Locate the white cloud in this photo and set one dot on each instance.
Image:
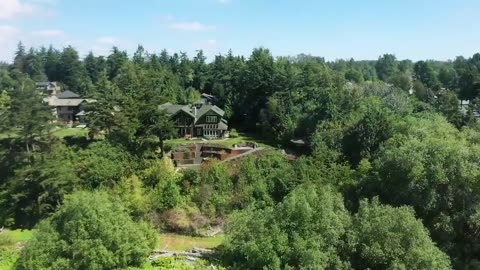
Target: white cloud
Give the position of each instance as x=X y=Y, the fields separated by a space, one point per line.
x=9 y=36
x=48 y=33
x=7 y=30
x=107 y=40
x=167 y=18
x=9 y=9
x=45 y=2
x=191 y=26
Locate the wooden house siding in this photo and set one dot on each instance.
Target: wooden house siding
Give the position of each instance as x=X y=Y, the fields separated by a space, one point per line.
x=203 y=119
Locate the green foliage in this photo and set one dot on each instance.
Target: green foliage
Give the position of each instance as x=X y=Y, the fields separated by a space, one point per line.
x=402 y=81
x=447 y=104
x=38 y=188
x=166 y=195
x=8 y=257
x=385 y=237
x=181 y=264
x=102 y=164
x=132 y=195
x=6 y=239
x=304 y=231
x=386 y=66
x=158 y=171
x=365 y=137
x=424 y=73
x=233 y=133
x=5 y=102
x=88 y=232
x=431 y=166
x=215 y=188
x=71 y=71
x=29 y=114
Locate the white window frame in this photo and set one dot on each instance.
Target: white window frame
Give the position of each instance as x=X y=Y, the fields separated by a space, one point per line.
x=211 y=118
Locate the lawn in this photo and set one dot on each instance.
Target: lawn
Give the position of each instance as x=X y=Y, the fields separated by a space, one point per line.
x=176 y=242
x=64 y=132
x=59 y=132
x=170 y=241
x=228 y=142
x=11 y=238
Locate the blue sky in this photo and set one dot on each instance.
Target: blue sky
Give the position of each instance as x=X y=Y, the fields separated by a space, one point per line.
x=420 y=29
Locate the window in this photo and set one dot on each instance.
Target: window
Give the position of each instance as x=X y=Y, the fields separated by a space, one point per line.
x=69 y=109
x=211 y=119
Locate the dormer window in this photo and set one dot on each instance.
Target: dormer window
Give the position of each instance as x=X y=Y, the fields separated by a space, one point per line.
x=211 y=118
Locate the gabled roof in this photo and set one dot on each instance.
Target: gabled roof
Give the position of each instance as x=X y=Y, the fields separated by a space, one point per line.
x=173 y=109
x=56 y=102
x=67 y=94
x=43 y=84
x=206 y=108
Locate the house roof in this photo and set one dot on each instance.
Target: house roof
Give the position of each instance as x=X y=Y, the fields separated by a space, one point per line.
x=173 y=109
x=67 y=94
x=206 y=108
x=43 y=84
x=222 y=126
x=56 y=102
x=298 y=142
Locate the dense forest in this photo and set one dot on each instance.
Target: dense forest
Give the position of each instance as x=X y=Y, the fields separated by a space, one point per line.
x=389 y=177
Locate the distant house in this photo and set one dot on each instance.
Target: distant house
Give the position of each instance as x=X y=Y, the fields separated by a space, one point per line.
x=50 y=88
x=66 y=106
x=464 y=104
x=199 y=120
x=207 y=99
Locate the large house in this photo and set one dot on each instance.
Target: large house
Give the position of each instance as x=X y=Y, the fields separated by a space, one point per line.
x=198 y=120
x=66 y=106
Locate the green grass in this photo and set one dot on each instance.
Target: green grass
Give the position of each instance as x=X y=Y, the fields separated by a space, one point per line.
x=9 y=241
x=22 y=235
x=64 y=132
x=60 y=133
x=11 y=238
x=175 y=242
x=229 y=142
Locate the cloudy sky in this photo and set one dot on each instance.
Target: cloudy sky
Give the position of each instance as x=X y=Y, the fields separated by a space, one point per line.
x=416 y=29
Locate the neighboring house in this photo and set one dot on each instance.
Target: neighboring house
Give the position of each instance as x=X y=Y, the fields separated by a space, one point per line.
x=50 y=88
x=464 y=104
x=207 y=99
x=66 y=106
x=199 y=120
